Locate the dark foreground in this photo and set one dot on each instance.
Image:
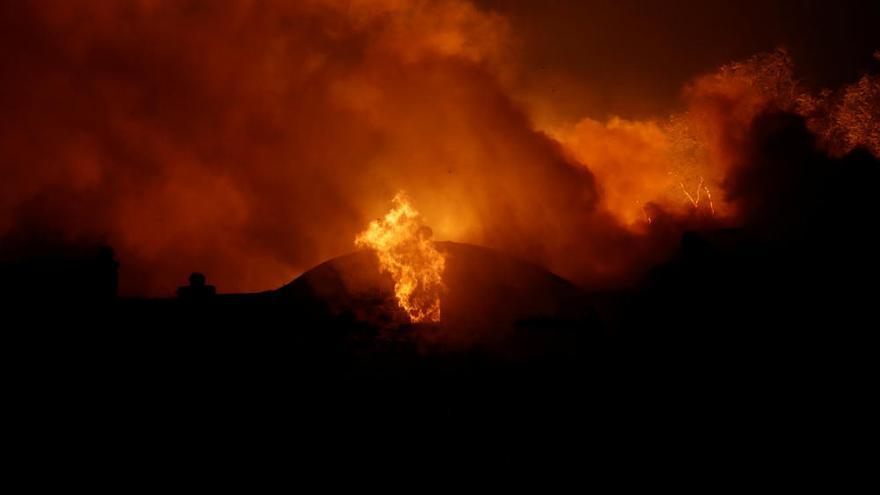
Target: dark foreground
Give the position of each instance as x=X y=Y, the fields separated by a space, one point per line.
x=740 y=350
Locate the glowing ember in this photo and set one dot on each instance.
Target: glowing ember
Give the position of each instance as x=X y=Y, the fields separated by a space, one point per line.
x=405 y=250
x=695 y=198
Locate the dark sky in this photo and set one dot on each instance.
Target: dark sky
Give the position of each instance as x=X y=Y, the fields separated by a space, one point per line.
x=635 y=56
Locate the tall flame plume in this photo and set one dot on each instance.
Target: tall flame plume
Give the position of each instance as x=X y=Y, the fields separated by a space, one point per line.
x=404 y=247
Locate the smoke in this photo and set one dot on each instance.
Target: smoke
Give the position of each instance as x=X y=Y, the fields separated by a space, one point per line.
x=244 y=139
x=252 y=140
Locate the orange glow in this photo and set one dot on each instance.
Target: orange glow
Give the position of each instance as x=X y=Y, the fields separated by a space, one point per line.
x=405 y=250
x=654 y=161
x=632 y=160
x=694 y=199
x=254 y=140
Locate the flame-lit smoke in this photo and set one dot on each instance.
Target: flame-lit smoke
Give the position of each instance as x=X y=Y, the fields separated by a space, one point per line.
x=404 y=246
x=701 y=192
x=656 y=160
x=252 y=140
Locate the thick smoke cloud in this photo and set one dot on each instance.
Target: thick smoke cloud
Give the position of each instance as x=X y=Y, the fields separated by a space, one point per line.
x=251 y=140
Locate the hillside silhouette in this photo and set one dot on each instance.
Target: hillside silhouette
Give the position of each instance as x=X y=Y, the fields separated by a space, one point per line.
x=744 y=332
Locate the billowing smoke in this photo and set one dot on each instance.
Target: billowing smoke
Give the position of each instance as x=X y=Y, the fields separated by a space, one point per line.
x=251 y=140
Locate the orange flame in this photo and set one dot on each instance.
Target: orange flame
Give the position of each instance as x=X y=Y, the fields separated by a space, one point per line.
x=405 y=250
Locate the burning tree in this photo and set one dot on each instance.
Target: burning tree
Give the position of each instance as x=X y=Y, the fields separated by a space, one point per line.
x=405 y=249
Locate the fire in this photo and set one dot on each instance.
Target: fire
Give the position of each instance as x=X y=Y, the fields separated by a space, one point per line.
x=404 y=247
x=694 y=199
